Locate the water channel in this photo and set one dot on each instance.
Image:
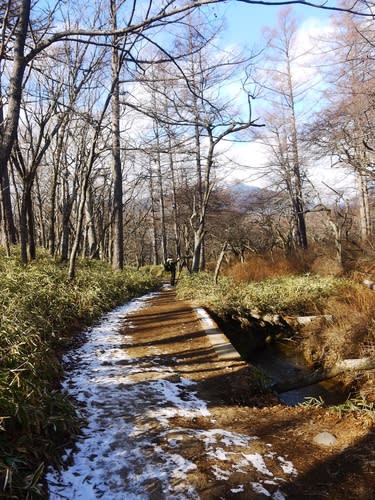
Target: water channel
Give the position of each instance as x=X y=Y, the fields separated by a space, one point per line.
x=280 y=362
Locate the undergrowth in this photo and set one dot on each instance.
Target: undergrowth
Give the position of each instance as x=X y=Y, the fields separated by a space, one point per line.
x=300 y=295
x=353 y=404
x=40 y=309
x=260 y=268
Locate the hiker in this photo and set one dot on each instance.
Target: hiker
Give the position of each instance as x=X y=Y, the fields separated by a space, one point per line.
x=170 y=265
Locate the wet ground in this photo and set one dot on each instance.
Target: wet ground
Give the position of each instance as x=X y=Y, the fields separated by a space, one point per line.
x=166 y=418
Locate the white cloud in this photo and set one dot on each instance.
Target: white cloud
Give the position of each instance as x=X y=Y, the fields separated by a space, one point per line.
x=245 y=163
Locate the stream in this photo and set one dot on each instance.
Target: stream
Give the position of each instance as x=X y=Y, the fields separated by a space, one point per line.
x=280 y=362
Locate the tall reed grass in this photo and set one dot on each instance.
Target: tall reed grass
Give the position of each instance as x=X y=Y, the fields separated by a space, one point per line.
x=259 y=268
x=40 y=309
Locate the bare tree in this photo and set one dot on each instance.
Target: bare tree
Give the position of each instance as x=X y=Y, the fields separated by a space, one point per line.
x=30 y=30
x=284 y=92
x=117 y=214
x=343 y=128
x=9 y=123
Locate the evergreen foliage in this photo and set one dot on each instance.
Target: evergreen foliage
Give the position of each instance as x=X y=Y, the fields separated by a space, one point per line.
x=42 y=313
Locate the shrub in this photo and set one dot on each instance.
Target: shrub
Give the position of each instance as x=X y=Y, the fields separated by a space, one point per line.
x=39 y=311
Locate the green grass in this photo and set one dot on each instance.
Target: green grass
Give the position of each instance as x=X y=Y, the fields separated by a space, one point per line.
x=40 y=309
x=354 y=404
x=297 y=295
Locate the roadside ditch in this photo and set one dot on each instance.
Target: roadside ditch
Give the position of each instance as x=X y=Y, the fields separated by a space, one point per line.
x=272 y=344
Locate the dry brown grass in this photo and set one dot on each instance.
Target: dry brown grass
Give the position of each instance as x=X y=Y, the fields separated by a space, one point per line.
x=355 y=299
x=326 y=266
x=352 y=333
x=258 y=268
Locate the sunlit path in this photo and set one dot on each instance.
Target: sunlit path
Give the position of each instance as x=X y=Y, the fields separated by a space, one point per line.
x=148 y=434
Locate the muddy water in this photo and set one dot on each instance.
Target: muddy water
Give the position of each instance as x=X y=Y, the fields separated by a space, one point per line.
x=279 y=362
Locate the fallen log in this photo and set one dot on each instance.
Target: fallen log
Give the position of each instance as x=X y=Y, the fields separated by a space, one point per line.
x=320 y=375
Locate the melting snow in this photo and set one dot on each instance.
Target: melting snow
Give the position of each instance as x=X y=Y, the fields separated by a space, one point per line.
x=287 y=466
x=257 y=460
x=129 y=448
x=238 y=489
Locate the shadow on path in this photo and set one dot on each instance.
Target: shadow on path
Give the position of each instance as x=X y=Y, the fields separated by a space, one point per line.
x=167 y=418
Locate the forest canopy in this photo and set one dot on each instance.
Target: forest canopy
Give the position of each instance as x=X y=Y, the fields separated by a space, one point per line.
x=118 y=124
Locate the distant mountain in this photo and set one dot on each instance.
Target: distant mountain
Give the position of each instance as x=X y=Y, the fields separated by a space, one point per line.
x=244 y=196
x=242 y=189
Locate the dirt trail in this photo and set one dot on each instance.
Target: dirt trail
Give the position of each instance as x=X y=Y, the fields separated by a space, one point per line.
x=166 y=418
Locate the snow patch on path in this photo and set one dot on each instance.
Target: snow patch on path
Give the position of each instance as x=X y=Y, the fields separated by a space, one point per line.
x=129 y=448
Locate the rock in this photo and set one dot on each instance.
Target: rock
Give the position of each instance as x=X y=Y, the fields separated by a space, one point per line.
x=174 y=378
x=369 y=284
x=325 y=439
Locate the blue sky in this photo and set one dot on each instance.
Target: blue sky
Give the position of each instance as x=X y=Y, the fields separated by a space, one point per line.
x=244 y=28
x=245 y=22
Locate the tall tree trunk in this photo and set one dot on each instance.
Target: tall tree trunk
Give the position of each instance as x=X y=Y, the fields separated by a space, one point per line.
x=30 y=225
x=23 y=226
x=155 y=253
x=78 y=234
x=57 y=161
x=92 y=239
x=364 y=206
x=67 y=205
x=198 y=238
x=42 y=226
x=164 y=250
x=118 y=223
x=85 y=179
x=174 y=201
x=10 y=124
x=7 y=206
x=52 y=217
x=198 y=219
x=301 y=235
x=4 y=240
